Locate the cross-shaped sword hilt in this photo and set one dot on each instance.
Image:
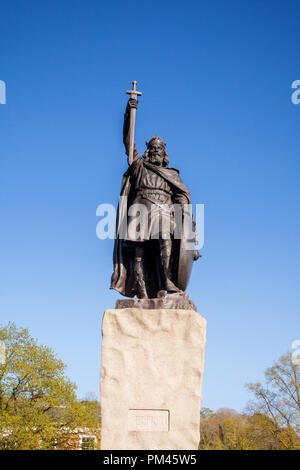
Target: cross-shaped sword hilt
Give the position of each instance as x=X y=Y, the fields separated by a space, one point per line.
x=134 y=93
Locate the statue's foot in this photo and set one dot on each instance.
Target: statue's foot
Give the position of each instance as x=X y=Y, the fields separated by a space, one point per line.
x=161 y=294
x=170 y=286
x=142 y=293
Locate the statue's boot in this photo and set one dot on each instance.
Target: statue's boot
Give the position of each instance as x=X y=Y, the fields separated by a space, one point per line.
x=165 y=252
x=139 y=275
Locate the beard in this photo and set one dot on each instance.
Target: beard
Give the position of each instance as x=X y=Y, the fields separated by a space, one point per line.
x=156 y=159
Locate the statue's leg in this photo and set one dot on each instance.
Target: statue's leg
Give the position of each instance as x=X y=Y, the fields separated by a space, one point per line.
x=165 y=256
x=139 y=272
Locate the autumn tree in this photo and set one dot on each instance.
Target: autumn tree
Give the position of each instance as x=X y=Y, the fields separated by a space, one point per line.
x=229 y=430
x=271 y=421
x=38 y=404
x=279 y=402
x=223 y=430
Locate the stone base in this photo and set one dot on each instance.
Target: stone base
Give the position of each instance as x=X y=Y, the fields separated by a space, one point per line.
x=151 y=379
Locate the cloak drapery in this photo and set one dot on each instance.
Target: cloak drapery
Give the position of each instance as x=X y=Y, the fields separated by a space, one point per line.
x=123 y=279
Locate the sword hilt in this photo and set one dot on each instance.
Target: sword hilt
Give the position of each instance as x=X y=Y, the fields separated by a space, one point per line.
x=133 y=95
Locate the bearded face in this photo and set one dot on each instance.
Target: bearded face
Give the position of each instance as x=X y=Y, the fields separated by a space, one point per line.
x=156 y=153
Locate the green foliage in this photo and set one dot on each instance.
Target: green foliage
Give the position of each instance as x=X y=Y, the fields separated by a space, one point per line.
x=206 y=413
x=38 y=405
x=88 y=443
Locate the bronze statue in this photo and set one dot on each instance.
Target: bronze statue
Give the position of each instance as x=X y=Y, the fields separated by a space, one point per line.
x=149 y=262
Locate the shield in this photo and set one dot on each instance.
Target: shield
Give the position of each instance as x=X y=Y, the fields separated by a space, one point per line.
x=186 y=251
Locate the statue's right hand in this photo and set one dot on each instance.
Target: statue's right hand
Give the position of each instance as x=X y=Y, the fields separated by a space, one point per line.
x=132 y=103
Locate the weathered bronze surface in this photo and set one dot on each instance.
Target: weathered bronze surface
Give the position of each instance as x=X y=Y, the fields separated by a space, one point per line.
x=151 y=264
x=174 y=301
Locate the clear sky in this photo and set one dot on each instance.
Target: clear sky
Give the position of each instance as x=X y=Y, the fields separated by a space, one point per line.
x=216 y=80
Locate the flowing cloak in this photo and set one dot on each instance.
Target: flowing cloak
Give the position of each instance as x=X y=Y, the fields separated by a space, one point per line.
x=122 y=279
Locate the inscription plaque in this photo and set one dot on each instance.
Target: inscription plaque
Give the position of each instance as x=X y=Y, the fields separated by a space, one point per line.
x=148 y=420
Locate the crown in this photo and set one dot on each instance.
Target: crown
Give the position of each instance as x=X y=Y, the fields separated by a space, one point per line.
x=153 y=139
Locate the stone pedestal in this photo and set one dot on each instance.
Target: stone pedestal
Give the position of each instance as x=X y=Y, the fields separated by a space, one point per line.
x=151 y=378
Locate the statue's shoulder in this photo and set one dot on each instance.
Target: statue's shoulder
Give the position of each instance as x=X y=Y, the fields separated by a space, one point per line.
x=175 y=173
x=173 y=169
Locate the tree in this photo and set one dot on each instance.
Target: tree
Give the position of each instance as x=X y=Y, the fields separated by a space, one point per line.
x=38 y=404
x=272 y=420
x=206 y=413
x=229 y=430
x=279 y=402
x=223 y=430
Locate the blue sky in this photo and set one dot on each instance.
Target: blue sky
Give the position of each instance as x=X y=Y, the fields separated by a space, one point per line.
x=216 y=80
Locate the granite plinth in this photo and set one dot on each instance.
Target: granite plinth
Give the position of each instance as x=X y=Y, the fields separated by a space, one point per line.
x=151 y=379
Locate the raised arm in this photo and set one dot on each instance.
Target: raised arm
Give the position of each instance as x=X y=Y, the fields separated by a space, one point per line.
x=132 y=103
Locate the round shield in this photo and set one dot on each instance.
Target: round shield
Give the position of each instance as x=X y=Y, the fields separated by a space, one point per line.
x=186 y=251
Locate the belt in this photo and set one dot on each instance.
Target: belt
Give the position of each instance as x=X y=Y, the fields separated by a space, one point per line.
x=156 y=195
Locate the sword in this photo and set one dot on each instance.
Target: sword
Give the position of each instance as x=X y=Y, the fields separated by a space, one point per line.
x=133 y=94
